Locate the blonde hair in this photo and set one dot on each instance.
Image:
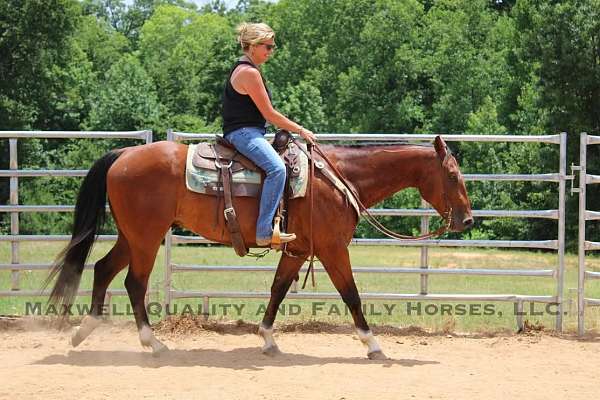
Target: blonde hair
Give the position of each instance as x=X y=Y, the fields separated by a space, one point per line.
x=253 y=33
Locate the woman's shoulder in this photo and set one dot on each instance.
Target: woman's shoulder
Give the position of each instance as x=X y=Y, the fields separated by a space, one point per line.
x=246 y=71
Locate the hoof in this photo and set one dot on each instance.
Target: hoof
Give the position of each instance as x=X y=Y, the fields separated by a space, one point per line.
x=159 y=350
x=76 y=339
x=271 y=351
x=88 y=324
x=377 y=355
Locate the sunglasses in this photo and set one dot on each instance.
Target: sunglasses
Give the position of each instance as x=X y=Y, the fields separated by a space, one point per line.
x=268 y=46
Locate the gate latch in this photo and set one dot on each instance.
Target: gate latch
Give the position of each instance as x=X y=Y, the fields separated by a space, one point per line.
x=572 y=178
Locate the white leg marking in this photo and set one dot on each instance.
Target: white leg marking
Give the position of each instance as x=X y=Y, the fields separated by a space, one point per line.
x=148 y=340
x=88 y=324
x=368 y=339
x=270 y=347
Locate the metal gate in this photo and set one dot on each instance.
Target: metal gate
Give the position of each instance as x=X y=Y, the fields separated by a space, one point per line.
x=558 y=177
x=585 y=215
x=14 y=208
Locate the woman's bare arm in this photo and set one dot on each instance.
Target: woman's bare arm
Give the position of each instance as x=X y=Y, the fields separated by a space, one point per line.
x=248 y=81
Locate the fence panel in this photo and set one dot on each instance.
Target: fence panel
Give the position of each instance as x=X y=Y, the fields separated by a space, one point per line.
x=14 y=208
x=557 y=273
x=584 y=245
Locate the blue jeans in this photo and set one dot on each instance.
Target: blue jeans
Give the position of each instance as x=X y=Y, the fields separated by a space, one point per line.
x=250 y=141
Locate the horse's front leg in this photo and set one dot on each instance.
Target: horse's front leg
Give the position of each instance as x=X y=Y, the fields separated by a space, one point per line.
x=336 y=261
x=287 y=270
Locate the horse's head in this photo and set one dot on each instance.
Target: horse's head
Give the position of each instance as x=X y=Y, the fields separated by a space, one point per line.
x=445 y=189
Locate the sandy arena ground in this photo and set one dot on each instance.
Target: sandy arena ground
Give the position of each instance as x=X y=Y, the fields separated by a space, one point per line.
x=39 y=363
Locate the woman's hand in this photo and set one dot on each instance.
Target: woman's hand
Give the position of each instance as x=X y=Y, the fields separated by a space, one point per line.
x=307 y=135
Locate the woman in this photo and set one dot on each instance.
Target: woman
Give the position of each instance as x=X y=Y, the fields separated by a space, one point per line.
x=246 y=109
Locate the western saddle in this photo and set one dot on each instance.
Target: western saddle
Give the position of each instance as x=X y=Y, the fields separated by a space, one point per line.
x=223 y=158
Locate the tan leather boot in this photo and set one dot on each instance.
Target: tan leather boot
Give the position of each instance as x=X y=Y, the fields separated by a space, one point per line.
x=276 y=240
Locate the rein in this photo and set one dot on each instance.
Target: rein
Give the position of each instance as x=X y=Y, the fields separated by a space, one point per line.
x=311 y=268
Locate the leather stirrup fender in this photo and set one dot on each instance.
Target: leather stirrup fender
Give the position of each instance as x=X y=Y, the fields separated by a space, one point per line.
x=231 y=221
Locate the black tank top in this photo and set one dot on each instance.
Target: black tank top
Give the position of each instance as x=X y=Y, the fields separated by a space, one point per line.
x=238 y=109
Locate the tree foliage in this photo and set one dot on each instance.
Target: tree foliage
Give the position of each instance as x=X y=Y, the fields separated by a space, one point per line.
x=413 y=66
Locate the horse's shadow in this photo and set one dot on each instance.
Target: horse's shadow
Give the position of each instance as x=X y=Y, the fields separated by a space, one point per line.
x=245 y=358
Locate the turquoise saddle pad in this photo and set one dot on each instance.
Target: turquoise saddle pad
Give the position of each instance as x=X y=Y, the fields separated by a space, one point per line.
x=205 y=181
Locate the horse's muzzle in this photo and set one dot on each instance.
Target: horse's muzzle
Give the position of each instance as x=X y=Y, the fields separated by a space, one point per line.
x=461 y=224
x=468 y=222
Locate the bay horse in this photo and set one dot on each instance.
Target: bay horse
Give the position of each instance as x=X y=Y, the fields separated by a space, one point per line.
x=147 y=195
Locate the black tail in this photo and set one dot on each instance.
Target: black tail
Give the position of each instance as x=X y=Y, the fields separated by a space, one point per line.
x=90 y=214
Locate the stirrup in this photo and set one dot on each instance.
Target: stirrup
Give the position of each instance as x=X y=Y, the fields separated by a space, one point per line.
x=276 y=241
x=279 y=237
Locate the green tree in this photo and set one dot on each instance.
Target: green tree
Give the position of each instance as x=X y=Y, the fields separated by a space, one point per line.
x=34 y=53
x=560 y=40
x=445 y=66
x=303 y=104
x=188 y=57
x=101 y=43
x=34 y=48
x=381 y=91
x=465 y=43
x=319 y=51
x=127 y=99
x=506 y=158
x=558 y=54
x=128 y=18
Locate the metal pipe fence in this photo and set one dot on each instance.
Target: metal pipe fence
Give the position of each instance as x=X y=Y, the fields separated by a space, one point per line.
x=424 y=270
x=585 y=215
x=557 y=273
x=14 y=208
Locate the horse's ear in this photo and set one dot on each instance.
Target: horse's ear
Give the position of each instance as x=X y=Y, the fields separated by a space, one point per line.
x=440 y=147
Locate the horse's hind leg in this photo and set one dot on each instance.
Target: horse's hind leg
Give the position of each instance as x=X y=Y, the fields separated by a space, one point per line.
x=287 y=270
x=136 y=282
x=104 y=272
x=336 y=261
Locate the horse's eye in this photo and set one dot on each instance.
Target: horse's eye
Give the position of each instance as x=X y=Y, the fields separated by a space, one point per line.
x=453 y=177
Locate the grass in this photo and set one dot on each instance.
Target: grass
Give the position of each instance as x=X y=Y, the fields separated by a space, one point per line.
x=434 y=315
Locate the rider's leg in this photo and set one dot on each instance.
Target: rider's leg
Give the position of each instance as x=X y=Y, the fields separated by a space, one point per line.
x=251 y=143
